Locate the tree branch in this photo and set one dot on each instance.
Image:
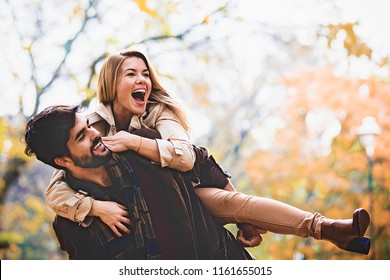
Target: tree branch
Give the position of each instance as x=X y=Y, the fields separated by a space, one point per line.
x=68 y=47
x=180 y=36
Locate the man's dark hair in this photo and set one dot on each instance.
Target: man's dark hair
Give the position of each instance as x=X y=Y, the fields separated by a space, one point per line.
x=48 y=132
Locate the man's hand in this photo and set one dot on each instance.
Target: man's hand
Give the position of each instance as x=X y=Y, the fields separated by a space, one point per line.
x=112 y=214
x=249 y=235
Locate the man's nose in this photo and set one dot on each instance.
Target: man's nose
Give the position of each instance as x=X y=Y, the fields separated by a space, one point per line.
x=93 y=132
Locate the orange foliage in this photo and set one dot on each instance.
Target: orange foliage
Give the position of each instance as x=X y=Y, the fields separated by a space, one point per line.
x=299 y=169
x=352 y=42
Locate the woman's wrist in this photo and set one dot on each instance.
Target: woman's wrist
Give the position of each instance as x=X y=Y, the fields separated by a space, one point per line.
x=139 y=145
x=95 y=209
x=132 y=142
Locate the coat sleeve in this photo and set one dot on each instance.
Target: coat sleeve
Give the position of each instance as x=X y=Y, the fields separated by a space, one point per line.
x=67 y=203
x=174 y=147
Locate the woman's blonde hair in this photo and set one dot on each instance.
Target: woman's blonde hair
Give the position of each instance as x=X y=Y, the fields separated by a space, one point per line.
x=107 y=81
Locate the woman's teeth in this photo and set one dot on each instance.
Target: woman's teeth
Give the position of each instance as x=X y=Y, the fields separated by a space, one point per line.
x=139 y=95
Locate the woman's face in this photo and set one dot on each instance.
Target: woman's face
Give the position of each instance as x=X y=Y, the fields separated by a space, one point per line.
x=133 y=86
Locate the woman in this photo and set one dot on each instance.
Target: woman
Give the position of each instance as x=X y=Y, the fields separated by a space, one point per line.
x=131 y=97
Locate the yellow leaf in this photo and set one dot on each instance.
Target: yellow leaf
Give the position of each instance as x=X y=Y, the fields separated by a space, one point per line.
x=77 y=11
x=143 y=6
x=206 y=20
x=200 y=91
x=28 y=47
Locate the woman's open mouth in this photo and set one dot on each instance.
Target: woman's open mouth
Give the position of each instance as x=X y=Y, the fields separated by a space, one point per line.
x=139 y=95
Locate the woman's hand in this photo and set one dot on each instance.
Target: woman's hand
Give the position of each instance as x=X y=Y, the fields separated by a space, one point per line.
x=113 y=215
x=119 y=142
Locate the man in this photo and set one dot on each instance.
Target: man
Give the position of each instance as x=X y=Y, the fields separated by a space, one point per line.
x=166 y=218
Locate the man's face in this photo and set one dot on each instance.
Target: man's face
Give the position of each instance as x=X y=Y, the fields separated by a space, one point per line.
x=85 y=145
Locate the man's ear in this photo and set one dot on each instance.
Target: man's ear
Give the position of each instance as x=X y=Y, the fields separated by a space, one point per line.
x=62 y=161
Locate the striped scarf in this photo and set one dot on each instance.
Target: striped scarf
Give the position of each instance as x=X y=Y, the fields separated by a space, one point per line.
x=142 y=228
x=141 y=243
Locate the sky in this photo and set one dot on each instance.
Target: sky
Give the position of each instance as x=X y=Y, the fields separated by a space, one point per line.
x=373 y=15
x=301 y=15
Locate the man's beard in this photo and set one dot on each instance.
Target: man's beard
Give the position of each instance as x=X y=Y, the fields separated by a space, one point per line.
x=92 y=160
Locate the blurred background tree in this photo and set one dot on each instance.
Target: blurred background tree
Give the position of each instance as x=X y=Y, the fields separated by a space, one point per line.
x=275 y=93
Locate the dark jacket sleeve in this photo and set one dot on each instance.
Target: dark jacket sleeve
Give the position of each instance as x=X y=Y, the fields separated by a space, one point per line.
x=206 y=171
x=73 y=239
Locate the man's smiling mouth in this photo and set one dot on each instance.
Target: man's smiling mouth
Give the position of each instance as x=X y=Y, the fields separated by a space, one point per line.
x=97 y=143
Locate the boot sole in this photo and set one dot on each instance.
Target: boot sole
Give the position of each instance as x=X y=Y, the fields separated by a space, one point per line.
x=360 y=245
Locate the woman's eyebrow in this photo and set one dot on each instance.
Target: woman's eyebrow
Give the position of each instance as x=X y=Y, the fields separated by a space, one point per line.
x=133 y=69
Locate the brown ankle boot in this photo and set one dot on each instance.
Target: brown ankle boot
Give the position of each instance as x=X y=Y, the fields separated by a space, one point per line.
x=348 y=234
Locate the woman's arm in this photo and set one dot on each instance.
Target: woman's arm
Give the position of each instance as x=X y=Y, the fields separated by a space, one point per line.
x=176 y=149
x=79 y=207
x=172 y=153
x=67 y=203
x=173 y=150
x=124 y=141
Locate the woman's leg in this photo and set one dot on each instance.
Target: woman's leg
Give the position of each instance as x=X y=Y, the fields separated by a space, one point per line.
x=278 y=217
x=269 y=214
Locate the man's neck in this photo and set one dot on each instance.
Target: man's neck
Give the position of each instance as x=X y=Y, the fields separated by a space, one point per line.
x=98 y=175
